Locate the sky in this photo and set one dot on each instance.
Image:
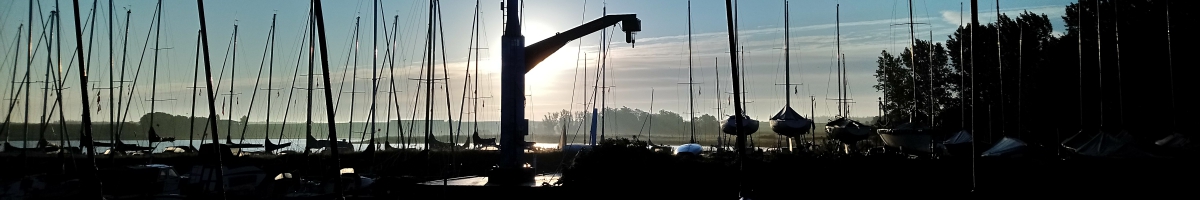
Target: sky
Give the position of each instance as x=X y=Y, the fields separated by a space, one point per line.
x=649 y=73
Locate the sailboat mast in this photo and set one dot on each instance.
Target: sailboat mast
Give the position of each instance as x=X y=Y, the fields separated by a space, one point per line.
x=212 y=108
x=87 y=116
x=374 y=69
x=46 y=84
x=838 y=30
x=1099 y=64
x=787 y=58
x=429 y=79
x=1000 y=69
x=195 y=83
x=124 y=62
x=233 y=65
x=475 y=88
x=353 y=82
x=737 y=97
x=27 y=82
x=1170 y=65
x=113 y=123
x=717 y=75
x=16 y=89
x=154 y=71
x=312 y=26
x=270 y=79
x=912 y=45
x=329 y=96
x=691 y=92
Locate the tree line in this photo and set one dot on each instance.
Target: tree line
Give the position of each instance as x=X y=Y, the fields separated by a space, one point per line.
x=1114 y=70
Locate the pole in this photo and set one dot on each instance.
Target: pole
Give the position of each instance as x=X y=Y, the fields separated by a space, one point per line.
x=912 y=45
x=737 y=104
x=691 y=92
x=212 y=108
x=328 y=93
x=838 y=29
x=974 y=23
x=87 y=116
x=513 y=76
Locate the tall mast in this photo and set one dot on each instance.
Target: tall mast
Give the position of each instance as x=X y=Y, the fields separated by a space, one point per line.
x=475 y=88
x=353 y=82
x=62 y=119
x=392 y=82
x=16 y=91
x=232 y=71
x=737 y=97
x=111 y=93
x=154 y=70
x=1171 y=65
x=87 y=116
x=212 y=108
x=787 y=58
x=195 y=83
x=717 y=75
x=328 y=92
x=691 y=92
x=312 y=45
x=46 y=86
x=1000 y=68
x=838 y=30
x=270 y=79
x=1099 y=63
x=28 y=83
x=603 y=76
x=912 y=45
x=429 y=79
x=124 y=61
x=374 y=69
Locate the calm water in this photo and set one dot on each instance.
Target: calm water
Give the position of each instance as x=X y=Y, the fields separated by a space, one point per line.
x=297 y=144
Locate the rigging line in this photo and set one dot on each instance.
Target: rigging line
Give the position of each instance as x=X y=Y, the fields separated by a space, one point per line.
x=392 y=82
x=353 y=83
x=462 y=104
x=137 y=72
x=351 y=54
x=445 y=73
x=16 y=92
x=224 y=63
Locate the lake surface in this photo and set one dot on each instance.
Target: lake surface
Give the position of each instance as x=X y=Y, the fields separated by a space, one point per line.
x=297 y=144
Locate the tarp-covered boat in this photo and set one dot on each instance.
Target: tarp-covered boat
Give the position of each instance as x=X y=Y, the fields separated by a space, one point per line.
x=907 y=136
x=1105 y=145
x=847 y=130
x=1006 y=147
x=789 y=123
x=749 y=126
x=958 y=144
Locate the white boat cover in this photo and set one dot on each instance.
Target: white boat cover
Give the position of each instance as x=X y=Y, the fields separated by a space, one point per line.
x=789 y=123
x=962 y=137
x=1006 y=146
x=1175 y=140
x=692 y=148
x=749 y=126
x=1109 y=145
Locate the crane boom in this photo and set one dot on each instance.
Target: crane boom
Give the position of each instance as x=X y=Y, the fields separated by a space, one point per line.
x=539 y=51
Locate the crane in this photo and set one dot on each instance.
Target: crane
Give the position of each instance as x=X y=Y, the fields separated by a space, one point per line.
x=517 y=60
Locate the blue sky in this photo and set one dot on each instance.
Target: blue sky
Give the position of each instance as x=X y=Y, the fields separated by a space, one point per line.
x=658 y=61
